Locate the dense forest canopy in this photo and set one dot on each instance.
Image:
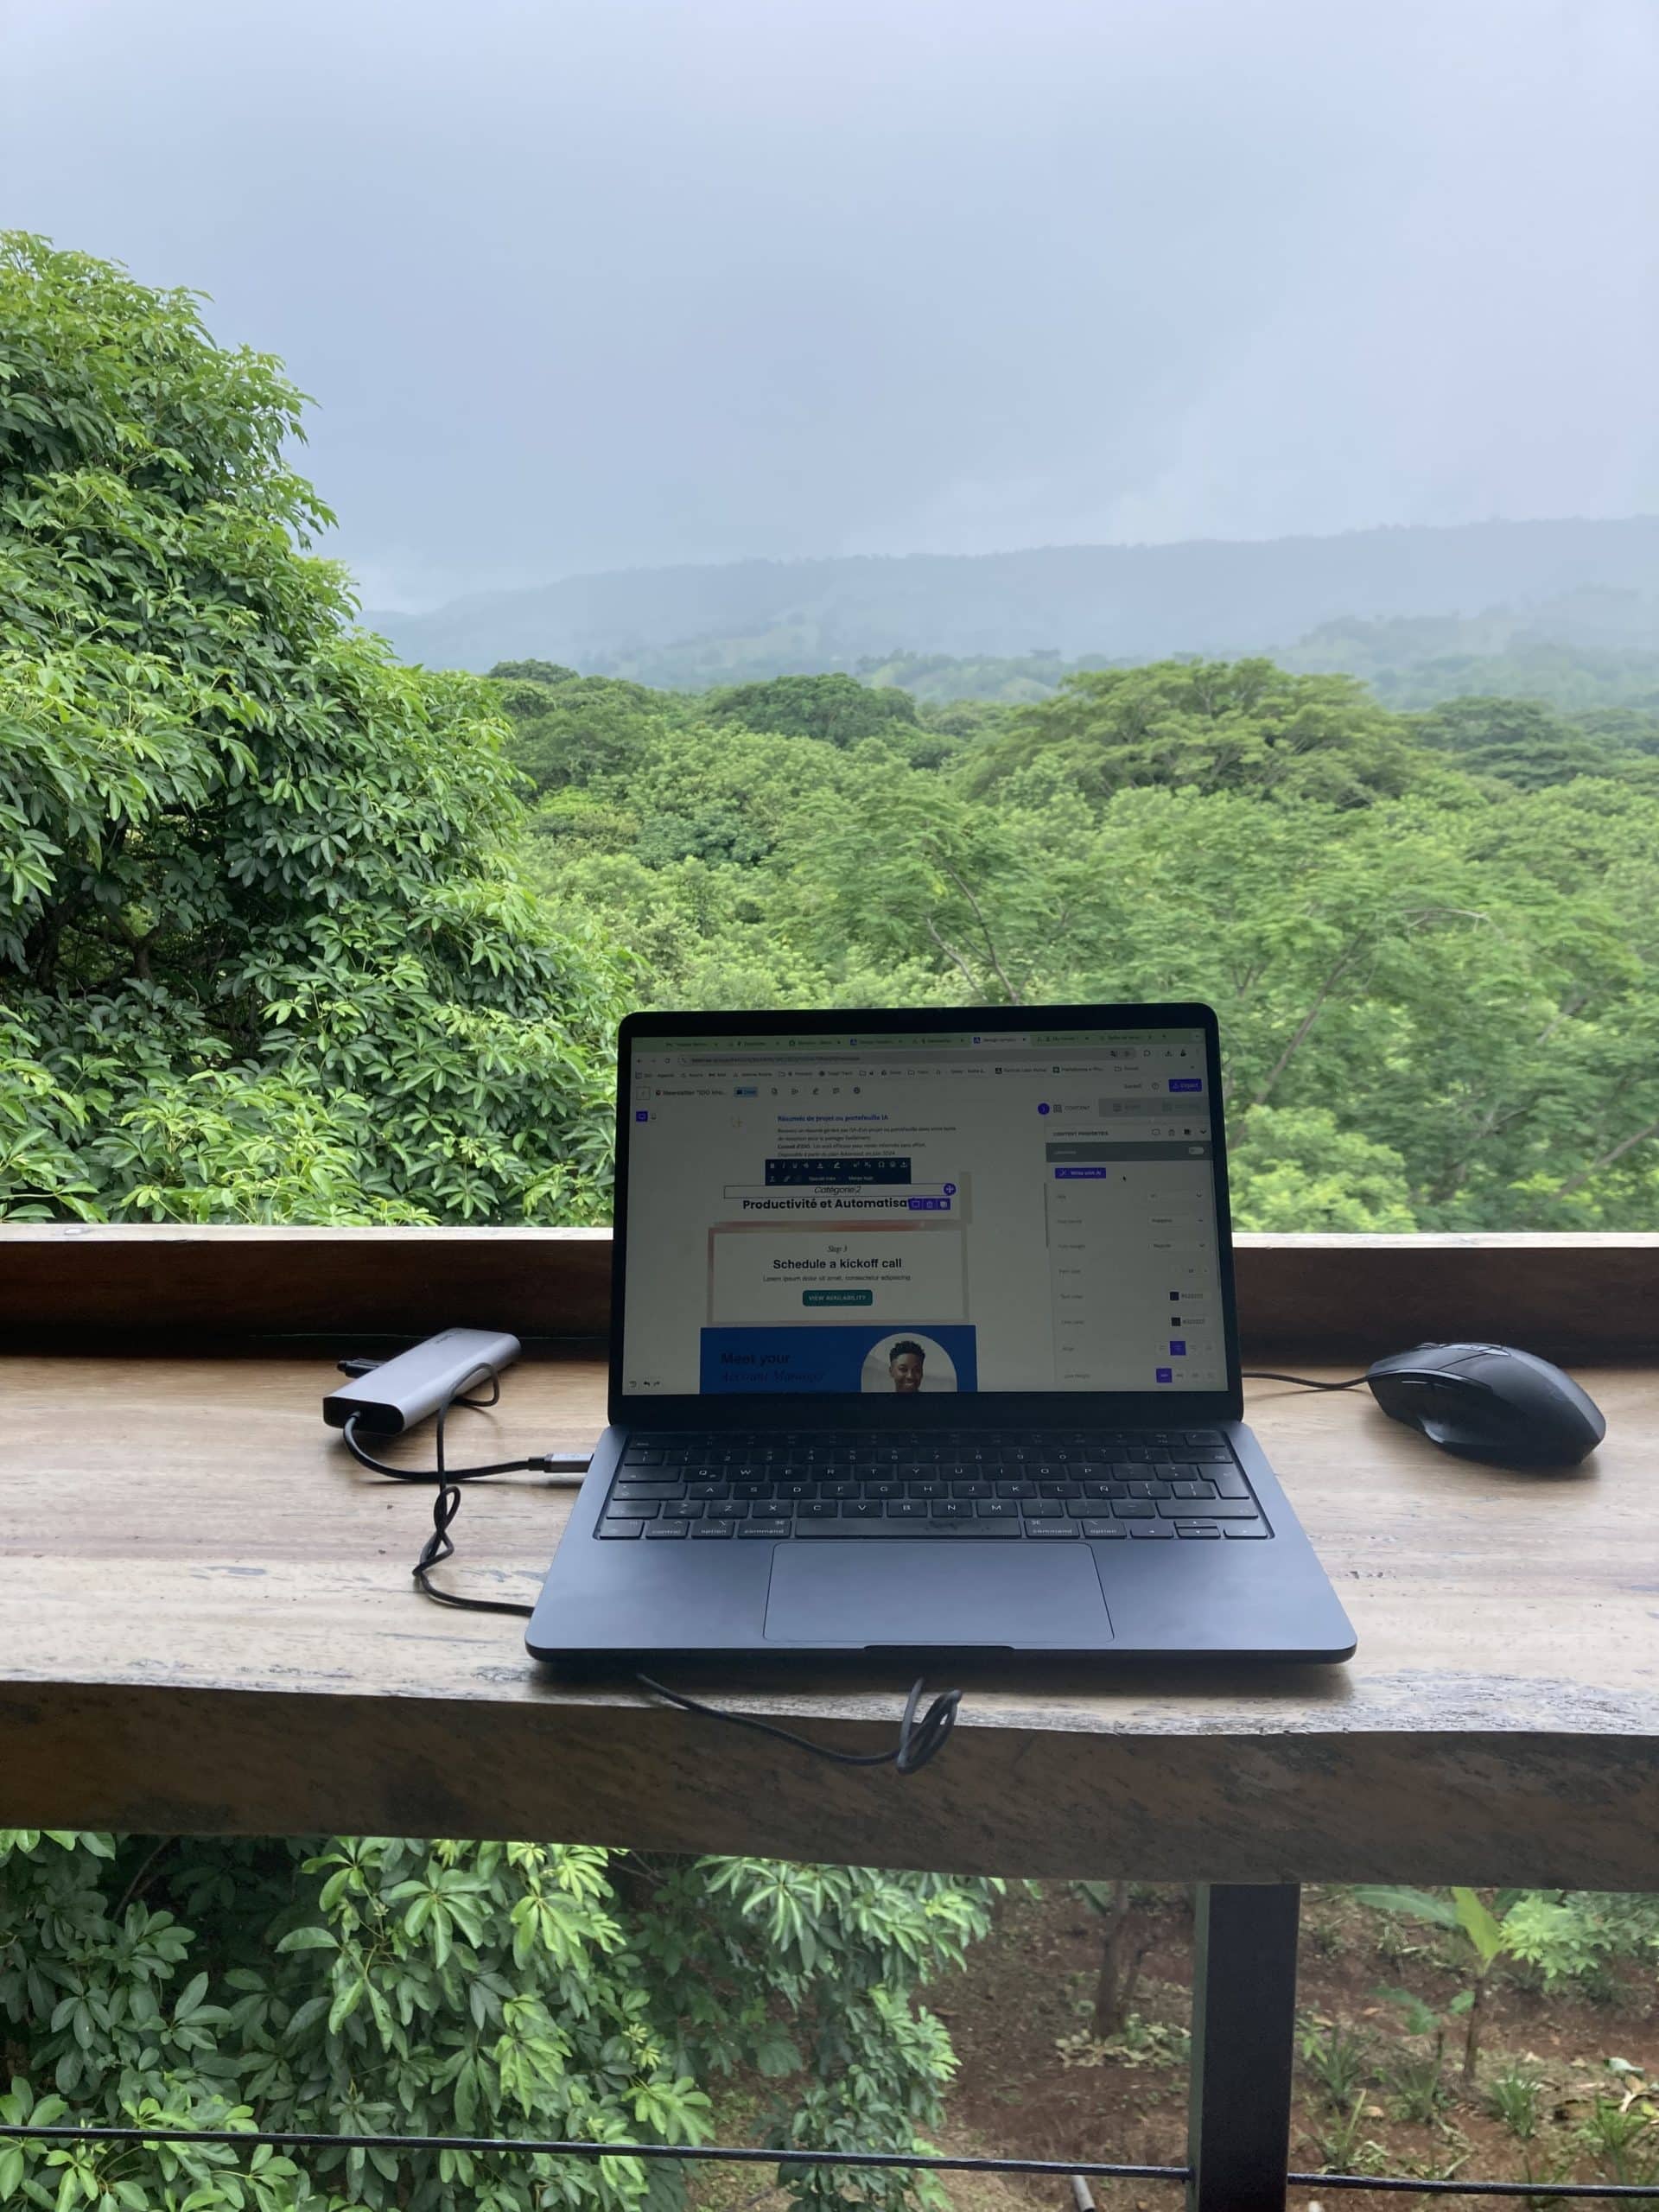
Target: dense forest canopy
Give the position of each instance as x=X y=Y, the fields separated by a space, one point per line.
x=1431 y=938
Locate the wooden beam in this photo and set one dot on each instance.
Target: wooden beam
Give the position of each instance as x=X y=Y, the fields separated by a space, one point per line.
x=209 y=1626
x=1344 y=1298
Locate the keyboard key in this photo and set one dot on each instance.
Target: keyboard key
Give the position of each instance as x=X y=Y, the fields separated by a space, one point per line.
x=727 y=1508
x=683 y=1508
x=1219 y=1509
x=646 y=1493
x=970 y=1490
x=1042 y=1508
x=1047 y=1527
x=1153 y=1529
x=957 y=1530
x=1016 y=1490
x=632 y=1509
x=891 y=1531
x=1187 y=1528
x=1245 y=1529
x=764 y=1528
x=951 y=1509
x=665 y=1528
x=1134 y=1509
x=614 y=1529
x=639 y=1455
x=1192 y=1489
x=707 y=1489
x=818 y=1508
x=998 y=1509
x=1099 y=1528
x=862 y=1509
x=711 y=1528
x=907 y=1508
x=1059 y=1489
x=1229 y=1483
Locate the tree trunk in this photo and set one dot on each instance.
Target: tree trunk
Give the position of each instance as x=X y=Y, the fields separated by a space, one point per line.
x=1472 y=2033
x=1120 y=1966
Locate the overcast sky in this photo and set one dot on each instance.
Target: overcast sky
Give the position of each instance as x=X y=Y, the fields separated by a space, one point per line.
x=618 y=283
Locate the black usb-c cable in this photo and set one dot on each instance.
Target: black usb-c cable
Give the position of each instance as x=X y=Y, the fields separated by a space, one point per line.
x=921 y=1735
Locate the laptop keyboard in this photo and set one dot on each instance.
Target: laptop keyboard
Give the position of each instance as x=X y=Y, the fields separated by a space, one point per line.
x=1149 y=1485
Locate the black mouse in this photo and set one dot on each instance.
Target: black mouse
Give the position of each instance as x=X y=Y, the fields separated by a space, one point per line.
x=1489 y=1401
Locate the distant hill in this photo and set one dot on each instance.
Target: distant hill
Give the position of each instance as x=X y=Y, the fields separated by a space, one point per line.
x=689 y=627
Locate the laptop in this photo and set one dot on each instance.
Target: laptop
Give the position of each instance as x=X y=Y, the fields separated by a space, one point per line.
x=923 y=1340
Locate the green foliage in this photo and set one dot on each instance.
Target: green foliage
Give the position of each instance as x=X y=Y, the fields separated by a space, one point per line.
x=1416 y=2077
x=1621 y=2130
x=1438 y=1007
x=1417 y=2085
x=1585 y=651
x=1514 y=2095
x=573 y=730
x=263 y=952
x=379 y=1986
x=838 y=709
x=947 y=678
x=1530 y=745
x=1337 y=2058
x=1487 y=1935
x=1566 y=1934
x=1209 y=726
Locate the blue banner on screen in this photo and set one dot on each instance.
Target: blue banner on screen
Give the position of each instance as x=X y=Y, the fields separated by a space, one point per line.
x=929 y=1357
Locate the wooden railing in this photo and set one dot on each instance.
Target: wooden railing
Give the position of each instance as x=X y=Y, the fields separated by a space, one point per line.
x=1592 y=1296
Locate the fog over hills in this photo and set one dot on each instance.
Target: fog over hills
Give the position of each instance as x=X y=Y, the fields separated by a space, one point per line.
x=1593 y=583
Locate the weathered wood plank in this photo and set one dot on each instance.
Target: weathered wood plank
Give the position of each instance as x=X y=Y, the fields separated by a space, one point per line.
x=205 y=1624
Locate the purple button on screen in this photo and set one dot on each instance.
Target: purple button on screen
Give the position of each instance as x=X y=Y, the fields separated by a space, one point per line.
x=1177 y=1345
x=641 y=1114
x=1166 y=1374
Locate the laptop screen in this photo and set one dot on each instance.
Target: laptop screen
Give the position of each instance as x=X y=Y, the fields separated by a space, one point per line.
x=899 y=1214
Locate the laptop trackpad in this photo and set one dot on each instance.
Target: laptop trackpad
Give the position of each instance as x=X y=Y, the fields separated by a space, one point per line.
x=1033 y=1596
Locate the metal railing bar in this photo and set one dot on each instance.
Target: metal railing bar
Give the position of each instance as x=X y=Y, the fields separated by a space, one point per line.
x=524 y=2146
x=1408 y=2184
x=1073 y=2169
